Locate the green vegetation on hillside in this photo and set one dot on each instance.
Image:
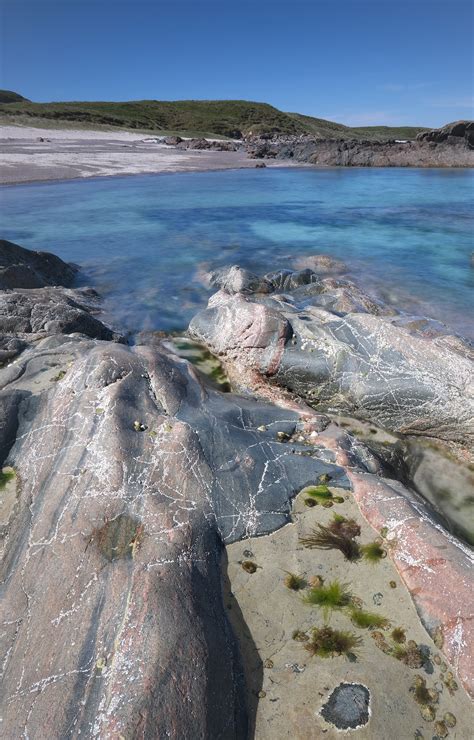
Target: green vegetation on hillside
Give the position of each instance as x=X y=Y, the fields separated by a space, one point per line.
x=231 y=118
x=7 y=96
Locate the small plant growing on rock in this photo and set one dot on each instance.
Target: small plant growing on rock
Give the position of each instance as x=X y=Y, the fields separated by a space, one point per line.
x=333 y=596
x=6 y=475
x=373 y=552
x=368 y=620
x=327 y=643
x=398 y=635
x=324 y=478
x=300 y=636
x=294 y=582
x=338 y=535
x=410 y=654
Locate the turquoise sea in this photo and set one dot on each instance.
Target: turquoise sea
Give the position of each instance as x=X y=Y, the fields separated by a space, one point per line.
x=145 y=241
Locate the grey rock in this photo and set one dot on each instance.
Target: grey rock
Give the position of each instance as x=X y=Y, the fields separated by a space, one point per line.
x=330 y=344
x=44 y=311
x=348 y=706
x=112 y=552
x=451 y=146
x=23 y=268
x=451 y=132
x=238 y=280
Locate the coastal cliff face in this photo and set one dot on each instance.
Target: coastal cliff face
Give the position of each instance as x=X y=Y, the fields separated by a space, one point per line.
x=126 y=477
x=450 y=146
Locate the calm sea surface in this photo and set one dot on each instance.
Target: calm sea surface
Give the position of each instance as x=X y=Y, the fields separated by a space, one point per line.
x=145 y=241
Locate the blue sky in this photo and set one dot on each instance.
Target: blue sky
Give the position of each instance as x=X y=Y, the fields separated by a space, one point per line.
x=354 y=61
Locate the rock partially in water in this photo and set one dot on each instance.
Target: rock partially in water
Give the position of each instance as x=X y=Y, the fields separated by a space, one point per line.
x=48 y=311
x=23 y=268
x=450 y=146
x=329 y=343
x=130 y=475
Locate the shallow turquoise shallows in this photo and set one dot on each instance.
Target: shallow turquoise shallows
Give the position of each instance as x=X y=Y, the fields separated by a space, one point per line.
x=145 y=241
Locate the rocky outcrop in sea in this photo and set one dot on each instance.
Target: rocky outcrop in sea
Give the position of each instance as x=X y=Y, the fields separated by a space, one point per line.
x=128 y=480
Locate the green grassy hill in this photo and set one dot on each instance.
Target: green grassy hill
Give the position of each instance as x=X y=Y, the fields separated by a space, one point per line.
x=228 y=118
x=7 y=96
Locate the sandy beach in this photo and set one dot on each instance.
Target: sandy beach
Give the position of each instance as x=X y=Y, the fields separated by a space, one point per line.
x=30 y=154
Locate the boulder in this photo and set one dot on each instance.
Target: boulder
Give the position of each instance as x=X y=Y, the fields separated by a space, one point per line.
x=44 y=311
x=23 y=268
x=327 y=342
x=172 y=140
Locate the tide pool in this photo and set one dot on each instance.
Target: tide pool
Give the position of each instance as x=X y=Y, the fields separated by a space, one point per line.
x=144 y=242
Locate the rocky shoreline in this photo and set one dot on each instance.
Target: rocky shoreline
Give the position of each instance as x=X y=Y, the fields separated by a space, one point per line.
x=450 y=146
x=129 y=479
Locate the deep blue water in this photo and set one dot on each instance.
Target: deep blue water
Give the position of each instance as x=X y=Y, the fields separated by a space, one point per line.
x=144 y=240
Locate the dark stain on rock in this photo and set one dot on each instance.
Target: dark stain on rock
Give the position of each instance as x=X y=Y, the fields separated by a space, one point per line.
x=348 y=706
x=119 y=537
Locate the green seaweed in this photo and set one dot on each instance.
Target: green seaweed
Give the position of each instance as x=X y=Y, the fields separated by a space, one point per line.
x=59 y=376
x=328 y=643
x=335 y=595
x=6 y=475
x=368 y=620
x=373 y=552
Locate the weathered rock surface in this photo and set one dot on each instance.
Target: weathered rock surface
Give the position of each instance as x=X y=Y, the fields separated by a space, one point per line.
x=452 y=133
x=327 y=342
x=111 y=561
x=38 y=312
x=451 y=146
x=23 y=268
x=126 y=474
x=209 y=144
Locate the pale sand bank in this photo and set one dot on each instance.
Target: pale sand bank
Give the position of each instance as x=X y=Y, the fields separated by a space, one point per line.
x=66 y=154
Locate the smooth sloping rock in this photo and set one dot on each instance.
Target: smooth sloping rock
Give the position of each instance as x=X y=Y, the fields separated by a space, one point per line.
x=24 y=268
x=130 y=474
x=335 y=347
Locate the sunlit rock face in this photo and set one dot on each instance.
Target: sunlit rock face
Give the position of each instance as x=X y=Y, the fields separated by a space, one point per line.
x=124 y=474
x=327 y=342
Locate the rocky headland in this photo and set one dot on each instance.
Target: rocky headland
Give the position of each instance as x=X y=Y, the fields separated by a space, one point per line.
x=281 y=560
x=450 y=146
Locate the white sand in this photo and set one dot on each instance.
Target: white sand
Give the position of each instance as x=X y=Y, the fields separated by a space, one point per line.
x=69 y=153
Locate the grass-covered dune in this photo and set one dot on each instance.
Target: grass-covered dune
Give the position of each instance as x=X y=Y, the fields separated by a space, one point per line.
x=229 y=118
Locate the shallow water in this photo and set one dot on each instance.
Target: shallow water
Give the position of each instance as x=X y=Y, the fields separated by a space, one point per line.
x=144 y=241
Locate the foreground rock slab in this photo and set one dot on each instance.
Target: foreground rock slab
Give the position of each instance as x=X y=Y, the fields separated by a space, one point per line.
x=124 y=473
x=129 y=475
x=294 y=694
